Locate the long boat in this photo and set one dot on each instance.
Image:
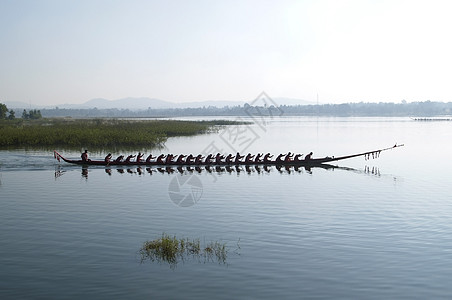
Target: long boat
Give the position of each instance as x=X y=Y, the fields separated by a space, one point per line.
x=297 y=162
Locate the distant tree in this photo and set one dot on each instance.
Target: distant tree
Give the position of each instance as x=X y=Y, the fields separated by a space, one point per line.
x=35 y=114
x=3 y=111
x=12 y=115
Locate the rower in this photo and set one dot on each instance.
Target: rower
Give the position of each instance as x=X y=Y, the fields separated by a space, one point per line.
x=108 y=158
x=120 y=158
x=218 y=158
x=169 y=159
x=189 y=159
x=308 y=156
x=258 y=158
x=248 y=158
x=198 y=159
x=129 y=158
x=267 y=157
x=148 y=159
x=297 y=157
x=229 y=158
x=139 y=157
x=238 y=157
x=180 y=159
x=280 y=158
x=208 y=159
x=84 y=156
x=160 y=159
x=288 y=157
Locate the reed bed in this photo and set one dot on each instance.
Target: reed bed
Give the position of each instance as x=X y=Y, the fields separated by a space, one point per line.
x=99 y=132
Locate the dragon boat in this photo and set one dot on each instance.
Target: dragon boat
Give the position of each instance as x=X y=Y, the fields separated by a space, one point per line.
x=297 y=162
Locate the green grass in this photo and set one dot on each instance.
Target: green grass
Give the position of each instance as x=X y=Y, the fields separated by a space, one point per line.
x=171 y=250
x=99 y=132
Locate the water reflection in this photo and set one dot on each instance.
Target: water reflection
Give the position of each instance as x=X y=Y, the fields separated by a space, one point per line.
x=372 y=171
x=59 y=172
x=85 y=173
x=237 y=169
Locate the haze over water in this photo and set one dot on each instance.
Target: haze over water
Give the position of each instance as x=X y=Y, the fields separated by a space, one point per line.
x=369 y=229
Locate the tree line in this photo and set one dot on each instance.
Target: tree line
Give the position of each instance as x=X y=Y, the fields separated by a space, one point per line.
x=33 y=114
x=383 y=109
x=404 y=109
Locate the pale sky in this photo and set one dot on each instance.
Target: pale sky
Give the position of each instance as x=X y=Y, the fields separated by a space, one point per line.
x=55 y=52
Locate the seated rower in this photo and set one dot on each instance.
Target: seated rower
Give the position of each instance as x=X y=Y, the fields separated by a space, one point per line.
x=84 y=156
x=180 y=159
x=169 y=159
x=148 y=159
x=308 y=156
x=160 y=159
x=258 y=158
x=218 y=158
x=288 y=157
x=229 y=158
x=120 y=158
x=279 y=159
x=297 y=157
x=139 y=157
x=189 y=159
x=198 y=159
x=208 y=159
x=108 y=158
x=238 y=157
x=249 y=158
x=267 y=157
x=129 y=158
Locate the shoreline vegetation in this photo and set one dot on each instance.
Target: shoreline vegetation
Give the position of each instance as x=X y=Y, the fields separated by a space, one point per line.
x=100 y=132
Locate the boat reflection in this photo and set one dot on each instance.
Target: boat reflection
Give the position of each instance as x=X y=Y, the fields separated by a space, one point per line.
x=214 y=170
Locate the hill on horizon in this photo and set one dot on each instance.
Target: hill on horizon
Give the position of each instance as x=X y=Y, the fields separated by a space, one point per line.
x=142 y=103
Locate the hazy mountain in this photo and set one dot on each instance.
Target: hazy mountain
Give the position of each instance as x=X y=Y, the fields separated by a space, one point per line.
x=292 y=101
x=145 y=103
x=128 y=103
x=17 y=104
x=141 y=103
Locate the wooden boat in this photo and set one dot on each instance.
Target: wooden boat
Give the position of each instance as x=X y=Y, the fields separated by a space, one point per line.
x=301 y=162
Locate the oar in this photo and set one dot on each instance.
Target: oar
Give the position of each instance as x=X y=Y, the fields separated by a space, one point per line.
x=365 y=153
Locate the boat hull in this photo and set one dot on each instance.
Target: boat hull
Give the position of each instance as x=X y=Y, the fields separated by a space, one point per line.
x=143 y=163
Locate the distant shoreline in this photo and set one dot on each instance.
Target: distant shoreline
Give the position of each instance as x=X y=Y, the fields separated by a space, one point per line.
x=414 y=109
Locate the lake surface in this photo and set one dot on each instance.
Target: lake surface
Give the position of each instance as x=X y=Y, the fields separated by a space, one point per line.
x=369 y=229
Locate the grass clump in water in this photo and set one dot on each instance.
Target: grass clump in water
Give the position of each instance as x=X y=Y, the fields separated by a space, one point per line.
x=171 y=250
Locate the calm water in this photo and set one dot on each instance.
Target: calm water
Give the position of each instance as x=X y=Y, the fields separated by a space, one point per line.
x=369 y=229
